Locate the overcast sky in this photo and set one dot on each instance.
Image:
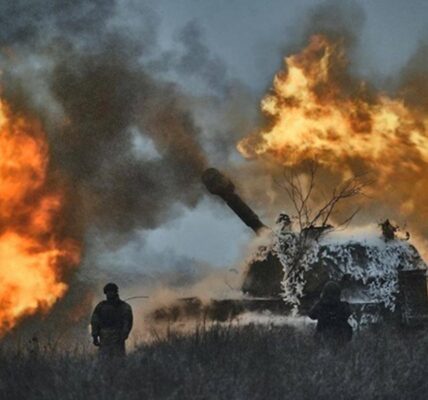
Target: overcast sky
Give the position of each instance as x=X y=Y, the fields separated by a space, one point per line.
x=137 y=97
x=249 y=34
x=250 y=37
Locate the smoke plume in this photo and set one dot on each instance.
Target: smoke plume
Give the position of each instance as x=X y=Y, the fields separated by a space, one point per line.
x=122 y=134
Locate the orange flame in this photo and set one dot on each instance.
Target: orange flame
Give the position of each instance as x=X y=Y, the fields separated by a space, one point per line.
x=33 y=256
x=317 y=111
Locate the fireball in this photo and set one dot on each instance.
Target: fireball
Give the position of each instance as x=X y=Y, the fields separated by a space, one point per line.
x=317 y=110
x=34 y=256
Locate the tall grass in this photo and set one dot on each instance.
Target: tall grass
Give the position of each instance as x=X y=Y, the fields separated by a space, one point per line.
x=250 y=362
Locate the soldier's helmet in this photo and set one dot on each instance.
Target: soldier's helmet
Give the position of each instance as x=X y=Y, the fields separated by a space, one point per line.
x=283 y=219
x=331 y=291
x=111 y=287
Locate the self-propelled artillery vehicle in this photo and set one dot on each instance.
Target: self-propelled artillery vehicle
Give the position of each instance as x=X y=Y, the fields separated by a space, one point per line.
x=382 y=277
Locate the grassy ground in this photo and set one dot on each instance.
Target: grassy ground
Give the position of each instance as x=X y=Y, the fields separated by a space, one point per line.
x=228 y=363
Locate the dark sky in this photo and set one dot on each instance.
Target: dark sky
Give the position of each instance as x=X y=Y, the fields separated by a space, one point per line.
x=251 y=37
x=236 y=44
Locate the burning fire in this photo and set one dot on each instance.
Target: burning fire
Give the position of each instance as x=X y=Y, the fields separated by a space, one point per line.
x=317 y=111
x=33 y=255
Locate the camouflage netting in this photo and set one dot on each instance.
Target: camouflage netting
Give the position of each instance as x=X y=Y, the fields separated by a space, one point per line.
x=366 y=265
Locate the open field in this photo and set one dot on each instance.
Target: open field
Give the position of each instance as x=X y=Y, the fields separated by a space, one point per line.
x=249 y=362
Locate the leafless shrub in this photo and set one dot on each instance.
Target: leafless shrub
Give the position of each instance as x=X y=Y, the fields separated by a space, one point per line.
x=314 y=220
x=310 y=216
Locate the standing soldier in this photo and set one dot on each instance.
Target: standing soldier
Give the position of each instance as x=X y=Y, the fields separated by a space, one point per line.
x=332 y=315
x=111 y=323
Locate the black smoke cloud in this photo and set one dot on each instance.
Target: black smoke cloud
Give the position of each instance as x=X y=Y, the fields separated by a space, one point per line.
x=99 y=97
x=103 y=97
x=123 y=133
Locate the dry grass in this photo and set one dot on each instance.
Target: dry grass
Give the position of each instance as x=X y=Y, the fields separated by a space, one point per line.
x=228 y=363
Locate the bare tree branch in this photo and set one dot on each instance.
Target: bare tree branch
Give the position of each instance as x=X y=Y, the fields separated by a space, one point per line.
x=344 y=224
x=301 y=197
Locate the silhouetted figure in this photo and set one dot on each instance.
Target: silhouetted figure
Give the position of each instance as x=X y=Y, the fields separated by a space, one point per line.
x=388 y=230
x=332 y=315
x=111 y=323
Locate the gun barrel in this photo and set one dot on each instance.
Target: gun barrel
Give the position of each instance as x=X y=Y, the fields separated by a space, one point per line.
x=218 y=184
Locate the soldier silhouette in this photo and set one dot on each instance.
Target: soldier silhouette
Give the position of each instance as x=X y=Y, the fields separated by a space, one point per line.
x=332 y=315
x=111 y=323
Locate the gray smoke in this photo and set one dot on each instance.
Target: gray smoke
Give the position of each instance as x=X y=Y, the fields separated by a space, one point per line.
x=125 y=132
x=131 y=125
x=413 y=85
x=83 y=70
x=95 y=72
